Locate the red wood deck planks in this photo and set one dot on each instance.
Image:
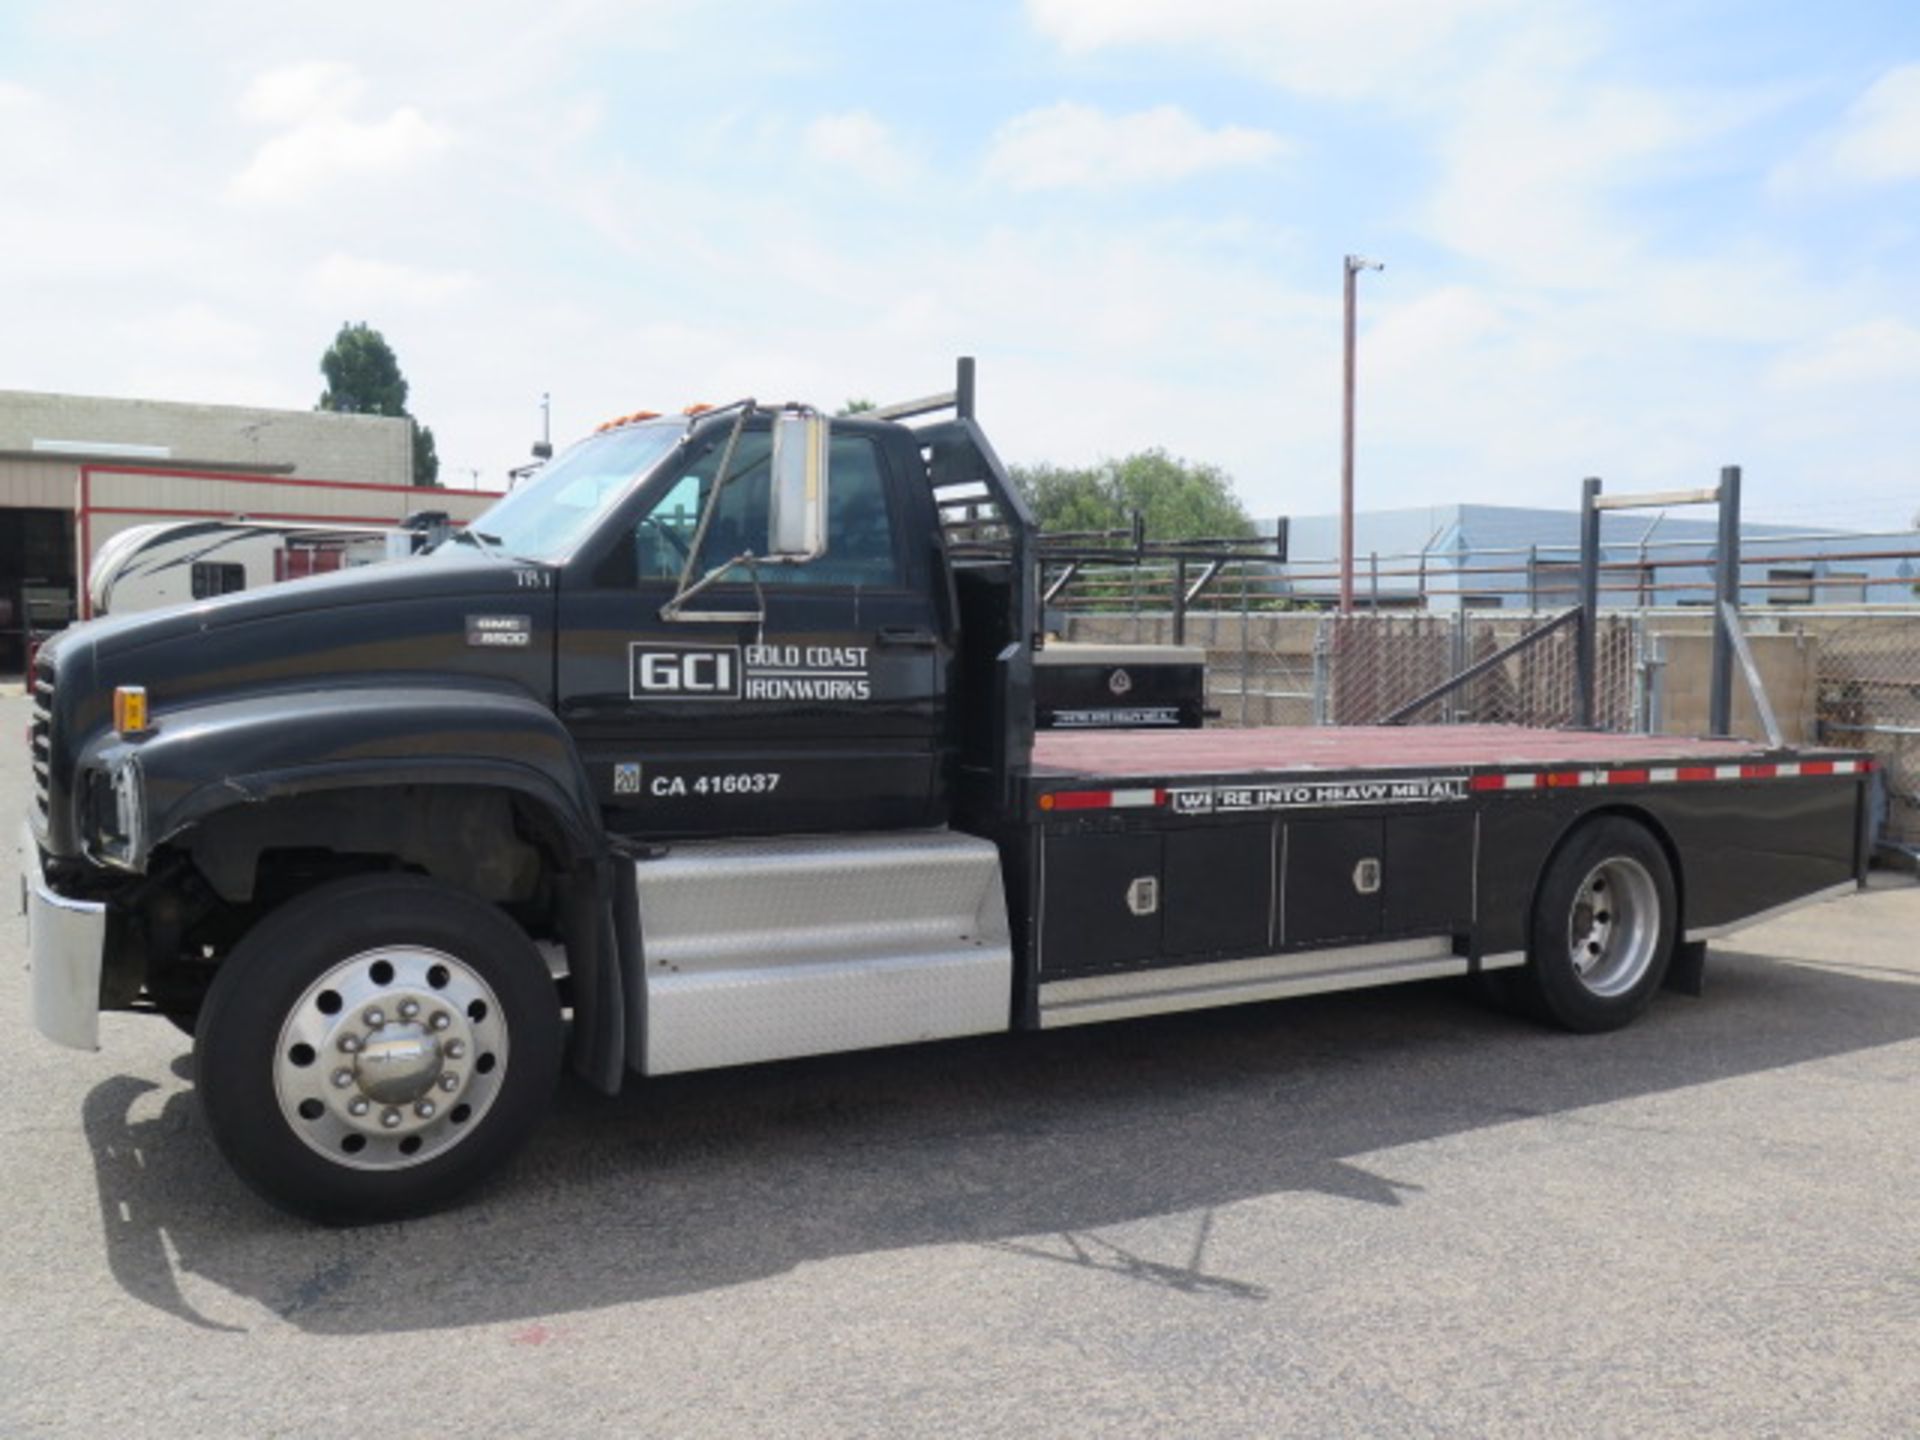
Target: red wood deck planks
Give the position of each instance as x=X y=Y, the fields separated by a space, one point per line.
x=1422 y=747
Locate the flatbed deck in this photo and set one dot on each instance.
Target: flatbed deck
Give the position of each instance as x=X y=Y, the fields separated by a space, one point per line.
x=1177 y=869
x=1059 y=755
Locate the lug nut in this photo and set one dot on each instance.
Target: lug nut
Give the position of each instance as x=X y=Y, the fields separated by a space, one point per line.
x=358 y=1106
x=455 y=1049
x=441 y=1020
x=409 y=1009
x=449 y=1082
x=424 y=1109
x=389 y=1118
x=342 y=1079
x=350 y=1044
x=375 y=1019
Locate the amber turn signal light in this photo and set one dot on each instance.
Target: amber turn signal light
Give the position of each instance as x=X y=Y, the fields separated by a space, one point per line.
x=130 y=709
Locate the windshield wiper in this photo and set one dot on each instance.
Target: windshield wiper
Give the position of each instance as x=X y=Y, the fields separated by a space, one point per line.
x=480 y=540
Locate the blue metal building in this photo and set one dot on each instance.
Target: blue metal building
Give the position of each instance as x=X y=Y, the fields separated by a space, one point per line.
x=1514 y=557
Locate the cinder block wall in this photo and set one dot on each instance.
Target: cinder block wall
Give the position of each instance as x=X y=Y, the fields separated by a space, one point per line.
x=1789 y=667
x=374 y=449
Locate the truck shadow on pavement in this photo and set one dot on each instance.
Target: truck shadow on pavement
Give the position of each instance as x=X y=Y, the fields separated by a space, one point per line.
x=1023 y=1143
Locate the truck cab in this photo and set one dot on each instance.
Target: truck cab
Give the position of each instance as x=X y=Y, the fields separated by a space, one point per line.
x=784 y=697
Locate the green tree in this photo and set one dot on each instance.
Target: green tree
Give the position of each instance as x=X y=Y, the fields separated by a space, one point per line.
x=363 y=378
x=858 y=405
x=426 y=456
x=1180 y=500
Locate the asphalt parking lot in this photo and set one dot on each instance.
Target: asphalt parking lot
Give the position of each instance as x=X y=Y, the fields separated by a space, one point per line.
x=1386 y=1213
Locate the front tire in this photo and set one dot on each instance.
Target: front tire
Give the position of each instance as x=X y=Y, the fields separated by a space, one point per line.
x=375 y=1047
x=1603 y=927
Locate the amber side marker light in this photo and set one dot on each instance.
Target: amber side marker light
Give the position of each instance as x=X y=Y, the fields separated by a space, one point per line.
x=130 y=710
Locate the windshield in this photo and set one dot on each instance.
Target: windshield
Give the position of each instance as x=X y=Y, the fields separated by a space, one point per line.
x=551 y=513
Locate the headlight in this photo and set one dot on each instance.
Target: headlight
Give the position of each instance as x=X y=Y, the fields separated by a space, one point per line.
x=120 y=814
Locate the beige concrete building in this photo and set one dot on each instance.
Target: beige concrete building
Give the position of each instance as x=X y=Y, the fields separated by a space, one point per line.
x=75 y=469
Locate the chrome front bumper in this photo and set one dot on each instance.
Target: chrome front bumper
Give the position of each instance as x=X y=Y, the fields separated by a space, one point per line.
x=66 y=940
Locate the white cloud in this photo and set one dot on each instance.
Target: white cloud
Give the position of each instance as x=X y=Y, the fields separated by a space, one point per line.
x=1877 y=143
x=1873 y=352
x=1415 y=336
x=1352 y=48
x=861 y=143
x=1881 y=140
x=25 y=125
x=289 y=94
x=327 y=149
x=1535 y=154
x=353 y=284
x=1070 y=146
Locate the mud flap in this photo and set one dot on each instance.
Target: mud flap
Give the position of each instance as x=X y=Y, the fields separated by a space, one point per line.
x=1687 y=974
x=598 y=1051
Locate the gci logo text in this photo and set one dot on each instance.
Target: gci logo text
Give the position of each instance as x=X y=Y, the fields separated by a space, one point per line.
x=684 y=672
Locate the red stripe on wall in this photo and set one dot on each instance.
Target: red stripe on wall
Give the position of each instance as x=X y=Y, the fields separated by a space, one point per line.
x=245 y=477
x=387 y=521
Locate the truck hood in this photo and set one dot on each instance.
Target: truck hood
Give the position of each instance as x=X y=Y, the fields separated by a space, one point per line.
x=442 y=623
x=454 y=575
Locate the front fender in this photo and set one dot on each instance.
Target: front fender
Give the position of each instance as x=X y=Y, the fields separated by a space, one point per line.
x=201 y=760
x=209 y=758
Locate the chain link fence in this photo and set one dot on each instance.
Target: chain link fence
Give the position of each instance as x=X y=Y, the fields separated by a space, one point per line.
x=1308 y=668
x=1869 y=699
x=1269 y=666
x=1377 y=664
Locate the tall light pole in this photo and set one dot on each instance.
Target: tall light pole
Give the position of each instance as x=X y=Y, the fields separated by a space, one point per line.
x=1353 y=266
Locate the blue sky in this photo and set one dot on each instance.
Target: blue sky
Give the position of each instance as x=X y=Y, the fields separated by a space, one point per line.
x=1632 y=240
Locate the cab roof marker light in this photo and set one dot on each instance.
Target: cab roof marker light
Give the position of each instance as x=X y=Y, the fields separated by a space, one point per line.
x=619 y=420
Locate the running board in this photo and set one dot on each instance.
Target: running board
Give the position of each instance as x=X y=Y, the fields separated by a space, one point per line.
x=1234 y=982
x=768 y=949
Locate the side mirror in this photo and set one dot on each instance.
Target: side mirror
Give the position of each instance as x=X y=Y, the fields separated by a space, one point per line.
x=797 y=509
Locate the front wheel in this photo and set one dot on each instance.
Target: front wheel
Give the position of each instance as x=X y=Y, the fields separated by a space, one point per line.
x=1603 y=927
x=373 y=1048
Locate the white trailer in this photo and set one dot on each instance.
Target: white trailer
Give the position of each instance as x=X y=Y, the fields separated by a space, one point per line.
x=148 y=567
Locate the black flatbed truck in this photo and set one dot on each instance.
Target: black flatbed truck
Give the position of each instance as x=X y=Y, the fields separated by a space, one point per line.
x=713 y=744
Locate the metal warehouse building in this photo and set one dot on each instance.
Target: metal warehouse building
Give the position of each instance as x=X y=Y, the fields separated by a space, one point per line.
x=1444 y=557
x=74 y=469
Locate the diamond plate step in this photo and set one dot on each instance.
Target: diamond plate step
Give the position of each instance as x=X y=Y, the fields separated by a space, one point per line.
x=768 y=949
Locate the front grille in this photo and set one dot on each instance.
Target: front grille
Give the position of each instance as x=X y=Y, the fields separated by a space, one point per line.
x=40 y=731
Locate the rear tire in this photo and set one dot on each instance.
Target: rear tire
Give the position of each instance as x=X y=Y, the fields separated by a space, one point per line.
x=1602 y=930
x=375 y=1047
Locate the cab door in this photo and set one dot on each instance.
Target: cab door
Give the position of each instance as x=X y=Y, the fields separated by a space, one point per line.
x=826 y=715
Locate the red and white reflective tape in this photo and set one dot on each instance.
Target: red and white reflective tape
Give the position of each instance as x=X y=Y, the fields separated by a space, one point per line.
x=1103 y=799
x=1667 y=774
x=1148 y=798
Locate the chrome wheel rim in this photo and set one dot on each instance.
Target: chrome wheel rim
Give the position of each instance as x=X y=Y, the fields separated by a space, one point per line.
x=1614 y=927
x=390 y=1058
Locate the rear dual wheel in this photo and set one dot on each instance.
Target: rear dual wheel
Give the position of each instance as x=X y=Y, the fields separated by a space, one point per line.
x=1602 y=927
x=375 y=1047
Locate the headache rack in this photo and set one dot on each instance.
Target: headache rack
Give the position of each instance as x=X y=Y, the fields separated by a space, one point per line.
x=991 y=544
x=986 y=522
x=982 y=517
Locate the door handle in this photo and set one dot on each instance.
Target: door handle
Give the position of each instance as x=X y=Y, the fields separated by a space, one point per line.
x=907 y=635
